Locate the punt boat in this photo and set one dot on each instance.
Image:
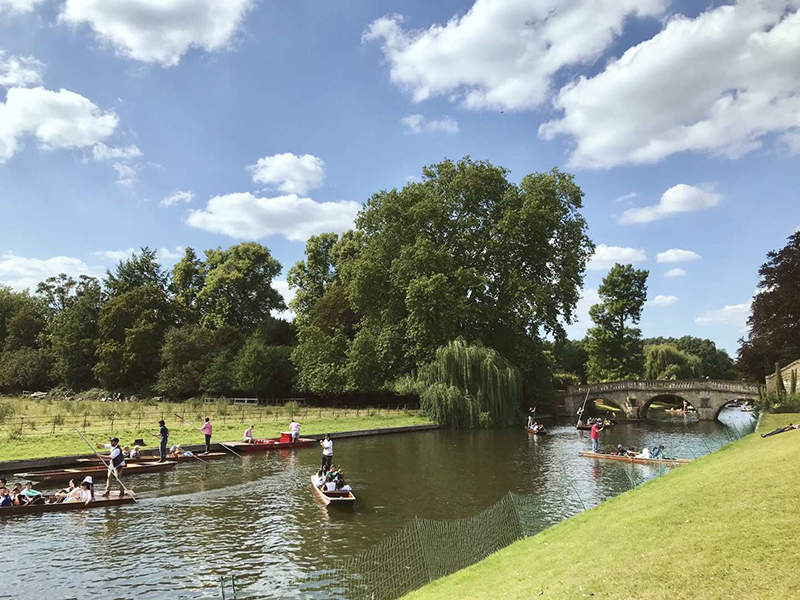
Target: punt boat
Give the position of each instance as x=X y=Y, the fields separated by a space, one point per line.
x=97 y=472
x=533 y=432
x=670 y=462
x=332 y=498
x=154 y=458
x=53 y=506
x=262 y=445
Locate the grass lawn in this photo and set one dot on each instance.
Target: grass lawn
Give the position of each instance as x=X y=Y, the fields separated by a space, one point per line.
x=724 y=526
x=53 y=433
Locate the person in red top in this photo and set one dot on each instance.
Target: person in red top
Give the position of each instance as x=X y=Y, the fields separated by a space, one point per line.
x=596 y=429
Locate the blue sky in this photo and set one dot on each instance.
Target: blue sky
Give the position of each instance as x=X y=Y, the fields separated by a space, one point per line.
x=203 y=123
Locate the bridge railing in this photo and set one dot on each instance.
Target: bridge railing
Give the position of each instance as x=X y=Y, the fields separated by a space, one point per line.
x=651 y=385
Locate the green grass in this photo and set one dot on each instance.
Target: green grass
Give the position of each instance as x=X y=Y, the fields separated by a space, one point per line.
x=45 y=434
x=724 y=526
x=607 y=407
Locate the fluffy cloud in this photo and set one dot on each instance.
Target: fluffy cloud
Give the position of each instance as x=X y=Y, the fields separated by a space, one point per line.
x=60 y=119
x=676 y=255
x=22 y=273
x=159 y=31
x=18 y=6
x=675 y=273
x=734 y=315
x=664 y=300
x=502 y=54
x=718 y=83
x=19 y=71
x=126 y=174
x=606 y=257
x=677 y=199
x=248 y=217
x=102 y=152
x=289 y=172
x=418 y=124
x=177 y=197
x=115 y=254
x=165 y=254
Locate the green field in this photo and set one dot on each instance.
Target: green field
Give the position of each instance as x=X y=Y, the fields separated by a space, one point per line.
x=42 y=428
x=724 y=526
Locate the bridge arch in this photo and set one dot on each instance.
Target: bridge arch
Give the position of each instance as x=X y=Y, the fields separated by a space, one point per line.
x=728 y=403
x=672 y=398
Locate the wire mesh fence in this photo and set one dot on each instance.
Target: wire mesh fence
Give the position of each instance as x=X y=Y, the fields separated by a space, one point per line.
x=427 y=549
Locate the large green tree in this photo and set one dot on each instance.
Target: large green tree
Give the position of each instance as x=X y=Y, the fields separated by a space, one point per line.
x=188 y=279
x=141 y=269
x=716 y=363
x=774 y=323
x=614 y=348
x=665 y=361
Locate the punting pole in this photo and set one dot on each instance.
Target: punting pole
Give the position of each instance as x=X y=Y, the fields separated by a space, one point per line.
x=127 y=491
x=220 y=443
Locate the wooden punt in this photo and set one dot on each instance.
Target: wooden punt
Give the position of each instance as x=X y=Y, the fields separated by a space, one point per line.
x=670 y=462
x=154 y=459
x=38 y=509
x=589 y=427
x=97 y=472
x=332 y=498
x=532 y=432
x=265 y=445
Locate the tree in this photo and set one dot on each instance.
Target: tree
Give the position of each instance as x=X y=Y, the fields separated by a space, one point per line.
x=569 y=358
x=665 y=361
x=186 y=355
x=780 y=387
x=321 y=360
x=465 y=253
x=774 y=322
x=139 y=270
x=188 y=279
x=25 y=369
x=716 y=363
x=263 y=370
x=238 y=287
x=614 y=349
x=311 y=276
x=26 y=324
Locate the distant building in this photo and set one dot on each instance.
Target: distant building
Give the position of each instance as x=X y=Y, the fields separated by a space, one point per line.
x=787 y=376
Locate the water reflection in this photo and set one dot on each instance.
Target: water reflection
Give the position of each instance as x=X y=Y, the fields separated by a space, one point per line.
x=257 y=518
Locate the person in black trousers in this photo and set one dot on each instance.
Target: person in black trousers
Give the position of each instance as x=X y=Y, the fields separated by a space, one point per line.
x=163 y=433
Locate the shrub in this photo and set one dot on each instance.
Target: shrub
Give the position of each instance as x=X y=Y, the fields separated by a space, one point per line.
x=291 y=408
x=7 y=410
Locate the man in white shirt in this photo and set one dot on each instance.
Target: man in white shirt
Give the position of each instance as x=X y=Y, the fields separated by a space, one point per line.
x=645 y=453
x=115 y=466
x=327 y=452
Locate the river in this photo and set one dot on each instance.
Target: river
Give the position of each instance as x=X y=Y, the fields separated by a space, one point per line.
x=258 y=519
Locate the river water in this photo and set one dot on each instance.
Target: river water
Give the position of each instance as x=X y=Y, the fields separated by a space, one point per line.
x=258 y=519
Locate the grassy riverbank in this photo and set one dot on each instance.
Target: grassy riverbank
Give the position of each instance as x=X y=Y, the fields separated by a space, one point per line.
x=40 y=429
x=724 y=526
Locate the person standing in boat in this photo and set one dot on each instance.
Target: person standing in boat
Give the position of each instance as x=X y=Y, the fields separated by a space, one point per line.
x=327 y=452
x=115 y=466
x=163 y=433
x=294 y=427
x=595 y=435
x=206 y=429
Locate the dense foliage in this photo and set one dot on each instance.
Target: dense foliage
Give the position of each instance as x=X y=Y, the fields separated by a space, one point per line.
x=665 y=361
x=774 y=323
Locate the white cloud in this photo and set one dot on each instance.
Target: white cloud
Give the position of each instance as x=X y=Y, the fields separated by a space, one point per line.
x=288 y=295
x=18 y=6
x=22 y=273
x=159 y=31
x=734 y=315
x=244 y=216
x=606 y=257
x=19 y=71
x=675 y=273
x=177 y=197
x=289 y=172
x=502 y=54
x=60 y=119
x=664 y=300
x=627 y=197
x=418 y=124
x=165 y=254
x=676 y=255
x=716 y=83
x=126 y=174
x=677 y=199
x=102 y=152
x=115 y=254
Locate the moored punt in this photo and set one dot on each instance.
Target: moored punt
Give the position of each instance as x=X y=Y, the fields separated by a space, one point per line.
x=264 y=445
x=639 y=461
x=97 y=472
x=532 y=431
x=54 y=506
x=154 y=459
x=332 y=498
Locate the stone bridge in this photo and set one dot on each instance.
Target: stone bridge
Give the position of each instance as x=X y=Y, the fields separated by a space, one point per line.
x=634 y=397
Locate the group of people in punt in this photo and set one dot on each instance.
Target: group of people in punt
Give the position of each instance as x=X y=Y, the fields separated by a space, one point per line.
x=333 y=480
x=656 y=452
x=19 y=495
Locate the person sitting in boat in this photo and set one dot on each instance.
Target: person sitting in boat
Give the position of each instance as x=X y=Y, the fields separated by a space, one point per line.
x=620 y=451
x=656 y=452
x=330 y=484
x=173 y=452
x=88 y=479
x=31 y=495
x=16 y=494
x=5 y=497
x=80 y=494
x=248 y=435
x=645 y=453
x=136 y=453
x=342 y=486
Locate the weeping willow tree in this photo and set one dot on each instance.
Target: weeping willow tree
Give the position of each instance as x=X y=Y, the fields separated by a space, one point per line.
x=665 y=361
x=468 y=386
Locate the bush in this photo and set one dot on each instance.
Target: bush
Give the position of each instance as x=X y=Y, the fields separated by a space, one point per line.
x=291 y=408
x=7 y=410
x=222 y=406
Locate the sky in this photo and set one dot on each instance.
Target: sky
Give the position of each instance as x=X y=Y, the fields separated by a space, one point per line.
x=205 y=123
